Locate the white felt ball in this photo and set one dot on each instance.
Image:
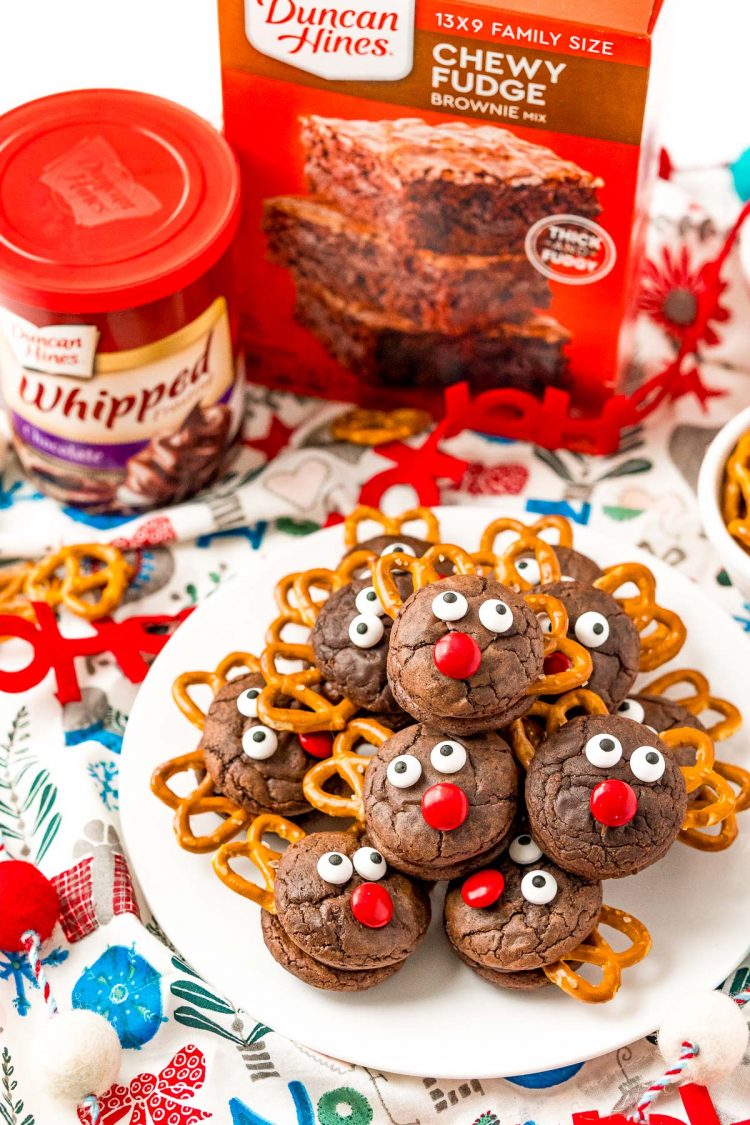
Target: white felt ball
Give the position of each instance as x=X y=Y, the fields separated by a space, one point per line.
x=78 y=1053
x=713 y=1022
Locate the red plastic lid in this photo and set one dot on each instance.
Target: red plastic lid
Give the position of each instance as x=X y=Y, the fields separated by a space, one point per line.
x=110 y=199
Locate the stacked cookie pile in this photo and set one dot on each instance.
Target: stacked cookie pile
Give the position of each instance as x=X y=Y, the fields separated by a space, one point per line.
x=506 y=754
x=408 y=256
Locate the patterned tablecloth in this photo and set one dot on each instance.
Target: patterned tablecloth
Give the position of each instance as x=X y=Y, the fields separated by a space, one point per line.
x=59 y=765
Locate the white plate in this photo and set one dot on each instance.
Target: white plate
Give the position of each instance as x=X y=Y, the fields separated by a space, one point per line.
x=435 y=1016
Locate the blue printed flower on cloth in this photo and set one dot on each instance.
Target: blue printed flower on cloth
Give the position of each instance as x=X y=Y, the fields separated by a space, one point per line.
x=124 y=988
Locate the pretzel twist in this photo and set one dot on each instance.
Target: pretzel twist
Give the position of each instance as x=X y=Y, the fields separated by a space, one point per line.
x=662 y=632
x=12 y=597
x=320 y=578
x=45 y=583
x=735 y=493
x=527 y=733
x=526 y=540
x=349 y=766
x=214 y=680
x=557 y=640
x=596 y=950
x=264 y=858
x=391 y=525
x=699 y=702
x=314 y=712
x=202 y=799
x=423 y=571
x=376 y=427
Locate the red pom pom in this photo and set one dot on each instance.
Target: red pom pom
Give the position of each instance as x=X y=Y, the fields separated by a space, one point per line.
x=28 y=901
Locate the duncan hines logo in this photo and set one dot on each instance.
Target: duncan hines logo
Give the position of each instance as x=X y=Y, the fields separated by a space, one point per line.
x=339 y=40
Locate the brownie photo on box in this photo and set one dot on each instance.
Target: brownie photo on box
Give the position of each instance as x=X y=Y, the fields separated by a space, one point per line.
x=408 y=257
x=441 y=292
x=453 y=188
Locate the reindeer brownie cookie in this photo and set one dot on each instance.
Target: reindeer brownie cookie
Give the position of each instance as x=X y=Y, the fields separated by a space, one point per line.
x=342 y=919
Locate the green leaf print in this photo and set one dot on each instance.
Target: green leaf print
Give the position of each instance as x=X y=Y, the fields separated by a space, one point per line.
x=28 y=795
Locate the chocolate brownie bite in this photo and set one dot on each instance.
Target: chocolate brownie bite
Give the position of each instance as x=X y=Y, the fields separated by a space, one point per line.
x=307 y=969
x=437 y=807
x=259 y=768
x=660 y=714
x=574 y=566
x=463 y=654
x=350 y=642
x=599 y=623
x=340 y=903
x=605 y=797
x=522 y=913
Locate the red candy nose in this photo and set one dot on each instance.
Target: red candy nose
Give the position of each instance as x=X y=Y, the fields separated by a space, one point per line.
x=613 y=803
x=457 y=655
x=372 y=905
x=445 y=806
x=556 y=662
x=483 y=888
x=319 y=744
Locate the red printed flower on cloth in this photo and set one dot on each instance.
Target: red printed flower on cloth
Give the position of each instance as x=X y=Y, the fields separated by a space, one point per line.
x=494 y=480
x=684 y=299
x=157 y=1099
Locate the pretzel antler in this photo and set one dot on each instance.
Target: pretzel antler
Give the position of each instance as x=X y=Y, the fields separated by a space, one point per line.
x=214 y=680
x=543 y=719
x=698 y=701
x=556 y=640
x=43 y=583
x=662 y=632
x=265 y=859
x=423 y=571
x=314 y=712
x=349 y=766
x=391 y=525
x=595 y=950
x=202 y=799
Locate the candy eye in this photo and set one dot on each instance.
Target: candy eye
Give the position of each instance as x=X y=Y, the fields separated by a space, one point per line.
x=450 y=606
x=366 y=630
x=404 y=771
x=524 y=850
x=401 y=548
x=368 y=602
x=603 y=751
x=539 y=887
x=336 y=868
x=496 y=616
x=369 y=864
x=647 y=763
x=529 y=570
x=632 y=709
x=592 y=629
x=448 y=756
x=260 y=743
x=247 y=703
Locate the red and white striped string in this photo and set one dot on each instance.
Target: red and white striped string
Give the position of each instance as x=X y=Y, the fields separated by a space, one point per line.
x=676 y=1073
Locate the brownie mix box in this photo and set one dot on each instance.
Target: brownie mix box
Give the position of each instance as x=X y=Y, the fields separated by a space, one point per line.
x=439 y=192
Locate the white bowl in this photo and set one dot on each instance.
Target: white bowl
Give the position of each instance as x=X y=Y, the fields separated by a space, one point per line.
x=736 y=560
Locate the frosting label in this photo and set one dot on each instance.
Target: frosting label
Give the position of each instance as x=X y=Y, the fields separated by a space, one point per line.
x=339 y=40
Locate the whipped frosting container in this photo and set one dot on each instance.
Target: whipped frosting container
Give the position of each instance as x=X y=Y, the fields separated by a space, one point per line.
x=117 y=331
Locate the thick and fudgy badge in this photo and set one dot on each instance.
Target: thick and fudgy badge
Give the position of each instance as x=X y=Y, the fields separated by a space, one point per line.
x=605 y=797
x=259 y=768
x=435 y=806
x=463 y=655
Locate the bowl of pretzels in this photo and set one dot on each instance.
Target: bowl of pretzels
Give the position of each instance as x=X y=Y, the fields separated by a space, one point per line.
x=724 y=498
